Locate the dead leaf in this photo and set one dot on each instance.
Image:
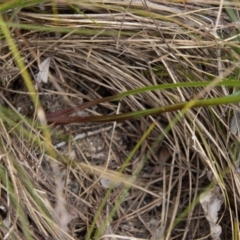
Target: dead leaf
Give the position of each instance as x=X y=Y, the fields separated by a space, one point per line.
x=235 y=123
x=107 y=183
x=211 y=203
x=42 y=76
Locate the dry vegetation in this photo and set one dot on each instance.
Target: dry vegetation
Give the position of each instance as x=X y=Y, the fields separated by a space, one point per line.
x=101 y=49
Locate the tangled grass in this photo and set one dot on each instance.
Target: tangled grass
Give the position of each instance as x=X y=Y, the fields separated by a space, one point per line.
x=157 y=166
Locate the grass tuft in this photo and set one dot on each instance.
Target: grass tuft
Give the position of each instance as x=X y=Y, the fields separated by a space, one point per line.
x=138 y=118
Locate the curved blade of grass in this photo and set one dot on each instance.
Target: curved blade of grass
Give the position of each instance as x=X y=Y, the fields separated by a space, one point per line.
x=18 y=4
x=61 y=29
x=147 y=112
x=27 y=80
x=51 y=117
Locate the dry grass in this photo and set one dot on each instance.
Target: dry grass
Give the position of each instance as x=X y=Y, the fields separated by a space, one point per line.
x=103 y=50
